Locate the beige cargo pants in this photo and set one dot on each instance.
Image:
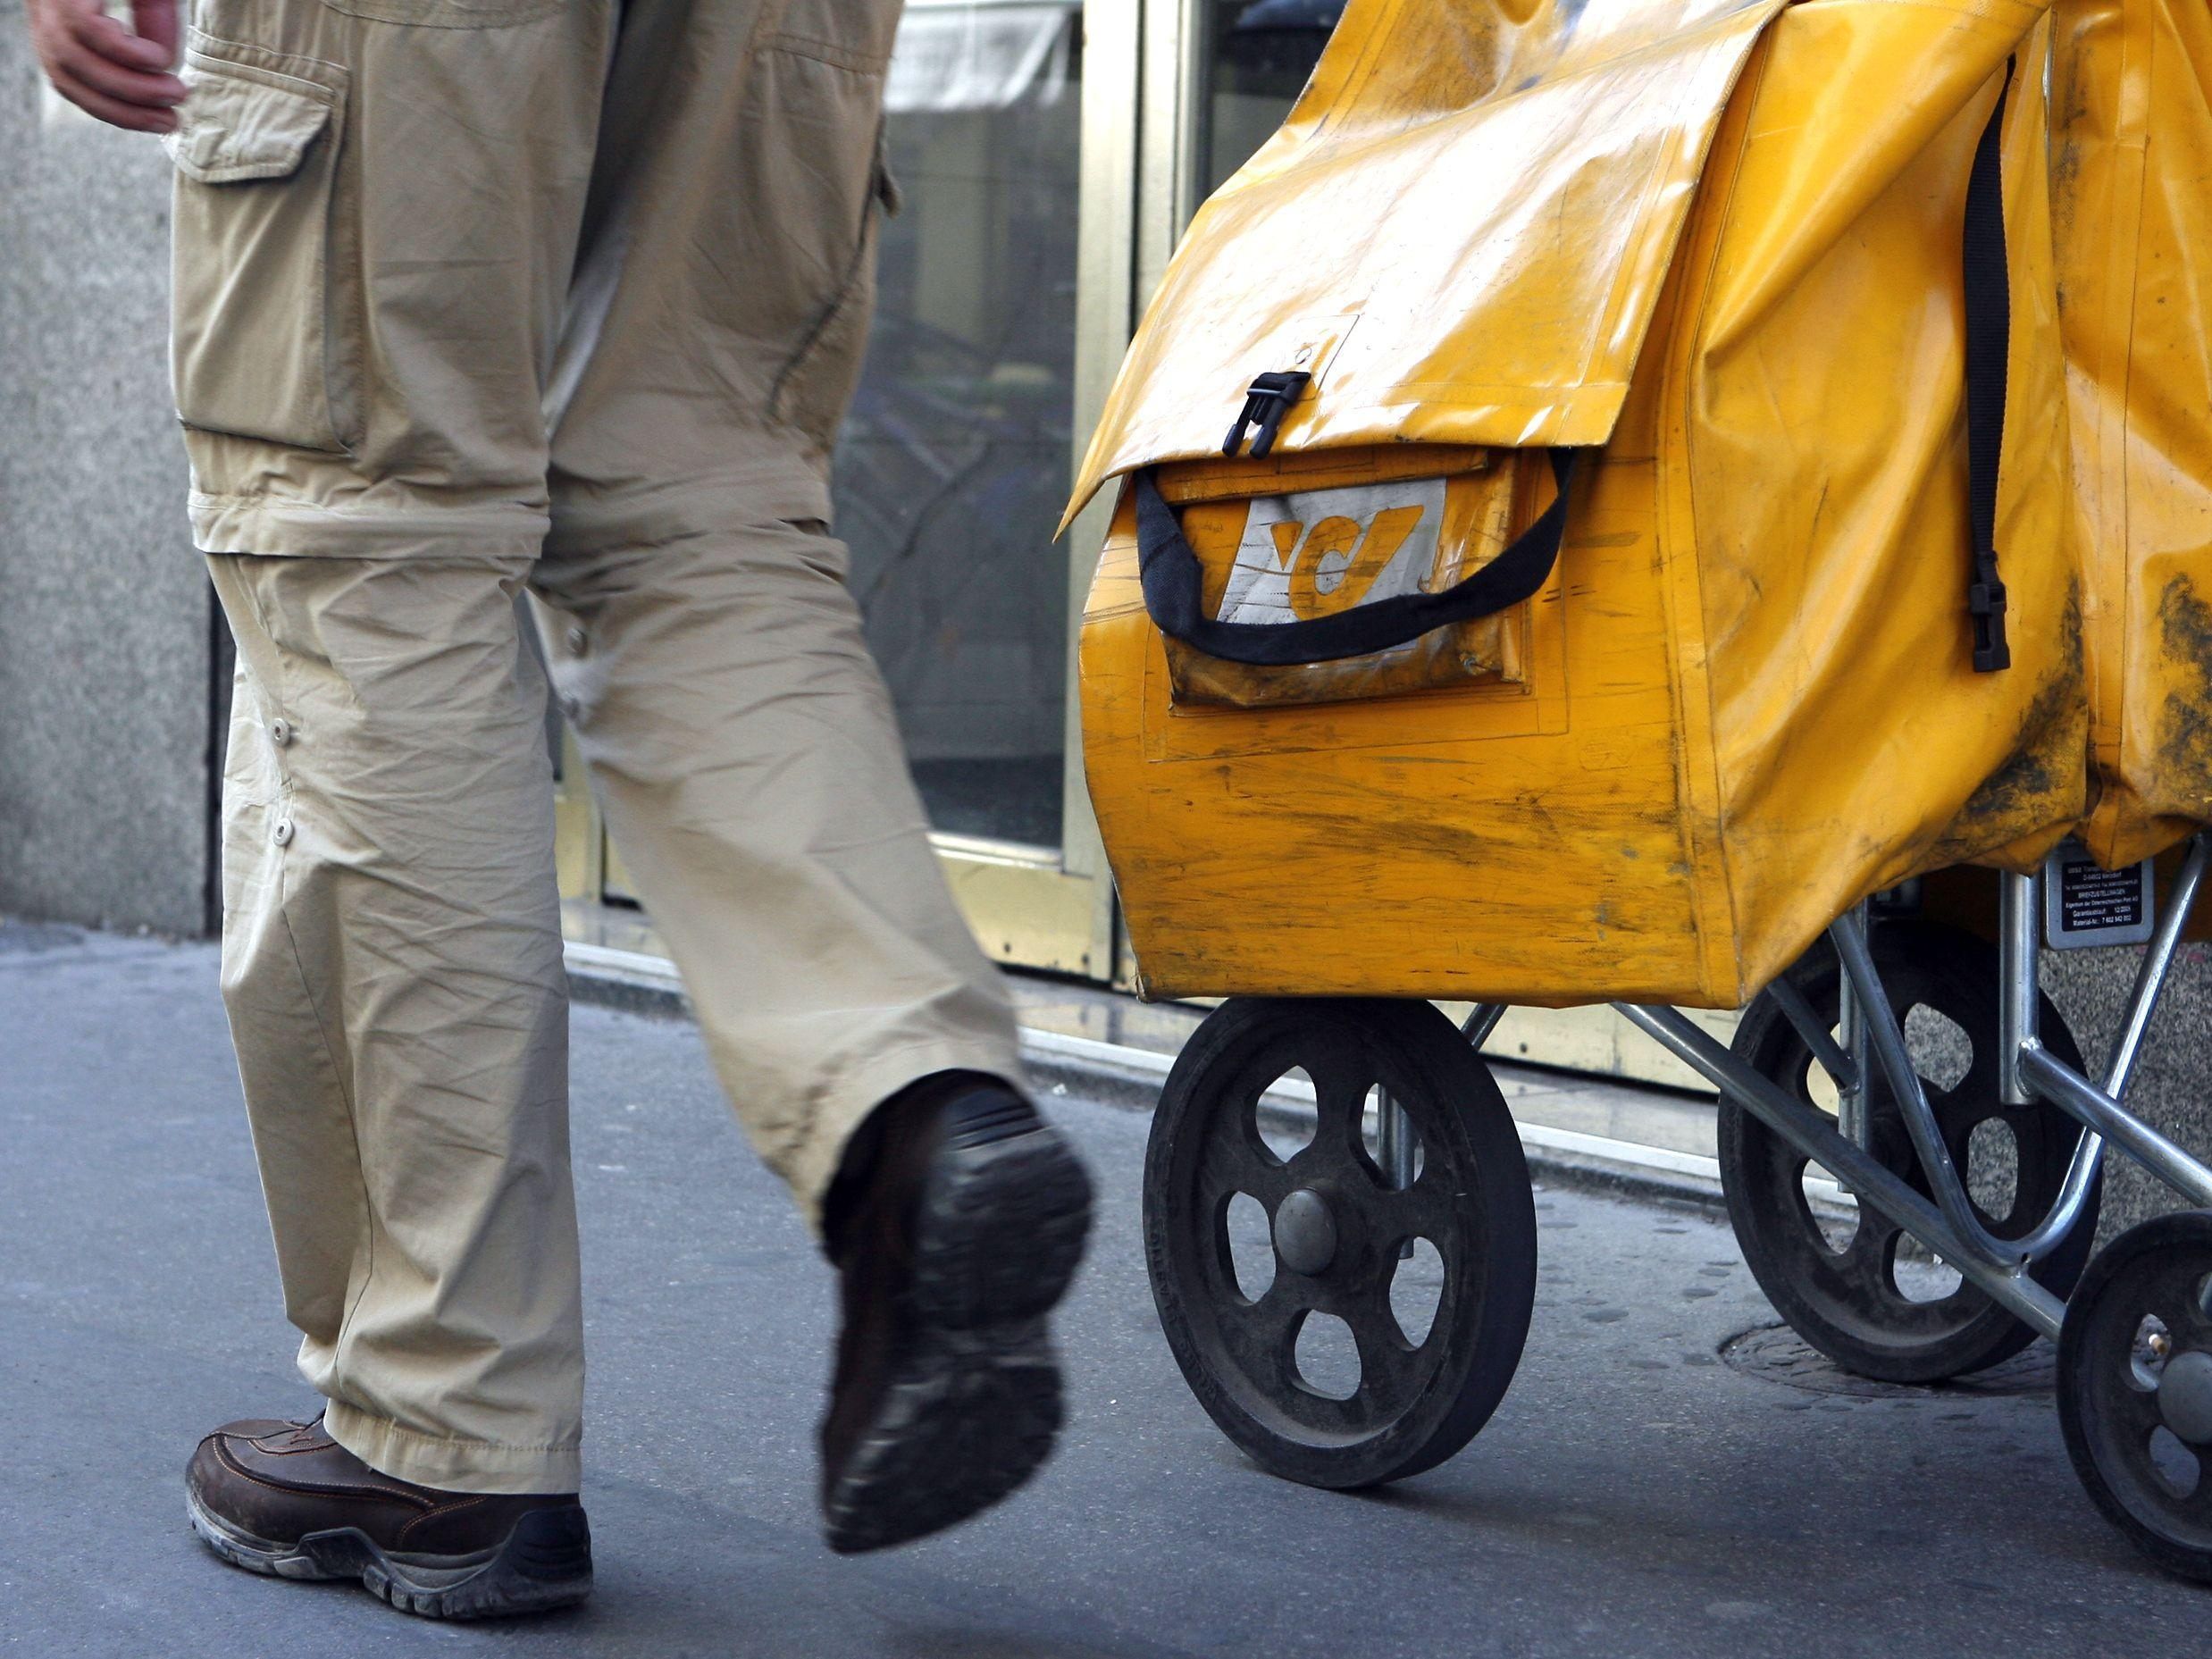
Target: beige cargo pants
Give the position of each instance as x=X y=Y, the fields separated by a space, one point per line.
x=475 y=297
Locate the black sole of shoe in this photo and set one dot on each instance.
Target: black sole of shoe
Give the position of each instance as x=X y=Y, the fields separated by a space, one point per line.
x=544 y=1564
x=974 y=1404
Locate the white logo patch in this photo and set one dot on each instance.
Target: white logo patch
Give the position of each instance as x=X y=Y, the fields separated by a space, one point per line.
x=1300 y=552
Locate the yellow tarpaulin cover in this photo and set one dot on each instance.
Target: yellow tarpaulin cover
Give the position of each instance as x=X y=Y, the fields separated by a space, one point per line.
x=1464 y=224
x=1717 y=248
x=2132 y=212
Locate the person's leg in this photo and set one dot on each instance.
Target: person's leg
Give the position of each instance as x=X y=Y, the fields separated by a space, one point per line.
x=743 y=747
x=392 y=969
x=378 y=205
x=712 y=665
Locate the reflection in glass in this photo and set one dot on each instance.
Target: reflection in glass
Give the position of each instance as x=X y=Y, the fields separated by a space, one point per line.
x=953 y=465
x=1259 y=56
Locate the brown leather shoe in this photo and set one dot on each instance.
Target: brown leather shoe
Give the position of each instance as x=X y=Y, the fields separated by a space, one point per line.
x=956 y=1223
x=284 y=1498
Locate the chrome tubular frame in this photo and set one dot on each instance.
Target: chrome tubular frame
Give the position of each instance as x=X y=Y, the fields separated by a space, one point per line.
x=1811 y=1133
x=1851 y=1081
x=1395 y=1146
x=2100 y=1111
x=2019 y=998
x=2157 y=959
x=1872 y=1035
x=1945 y=1178
x=2077 y=1096
x=2059 y=1085
x=1481 y=1021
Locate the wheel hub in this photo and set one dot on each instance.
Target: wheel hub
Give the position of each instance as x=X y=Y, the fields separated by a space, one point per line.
x=1305 y=1232
x=2185 y=1397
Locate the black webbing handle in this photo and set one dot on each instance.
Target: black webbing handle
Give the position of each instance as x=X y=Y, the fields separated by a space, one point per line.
x=1989 y=339
x=1174 y=592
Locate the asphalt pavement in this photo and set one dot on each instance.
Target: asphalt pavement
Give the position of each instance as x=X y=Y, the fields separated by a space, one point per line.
x=1636 y=1494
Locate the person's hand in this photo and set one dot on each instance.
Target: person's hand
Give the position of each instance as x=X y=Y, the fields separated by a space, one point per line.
x=106 y=69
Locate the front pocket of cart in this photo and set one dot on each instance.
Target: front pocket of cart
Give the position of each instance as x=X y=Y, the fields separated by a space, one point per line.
x=1334 y=578
x=256 y=154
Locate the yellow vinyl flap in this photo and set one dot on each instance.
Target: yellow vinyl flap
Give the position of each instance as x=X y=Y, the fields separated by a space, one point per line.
x=1460 y=232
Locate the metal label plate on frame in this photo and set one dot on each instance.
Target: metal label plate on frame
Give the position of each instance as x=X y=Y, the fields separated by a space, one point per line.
x=2085 y=904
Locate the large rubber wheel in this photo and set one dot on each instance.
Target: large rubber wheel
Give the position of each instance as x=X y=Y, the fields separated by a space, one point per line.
x=1863 y=1296
x=1334 y=1226
x=2135 y=1387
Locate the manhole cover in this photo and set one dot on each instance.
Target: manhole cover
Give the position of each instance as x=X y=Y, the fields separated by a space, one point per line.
x=1776 y=1354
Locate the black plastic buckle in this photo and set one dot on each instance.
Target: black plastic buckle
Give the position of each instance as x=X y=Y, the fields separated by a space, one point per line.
x=1266 y=401
x=1985 y=601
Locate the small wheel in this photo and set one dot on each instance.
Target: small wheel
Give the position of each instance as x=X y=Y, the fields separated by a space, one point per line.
x=2135 y=1387
x=1863 y=1293
x=1334 y=1226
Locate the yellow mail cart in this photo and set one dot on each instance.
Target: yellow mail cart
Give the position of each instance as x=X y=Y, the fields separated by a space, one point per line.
x=1610 y=497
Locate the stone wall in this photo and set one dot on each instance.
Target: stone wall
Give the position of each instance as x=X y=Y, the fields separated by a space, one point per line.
x=106 y=622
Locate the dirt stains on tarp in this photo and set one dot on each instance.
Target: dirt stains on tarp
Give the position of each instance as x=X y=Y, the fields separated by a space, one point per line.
x=2043 y=777
x=2184 y=724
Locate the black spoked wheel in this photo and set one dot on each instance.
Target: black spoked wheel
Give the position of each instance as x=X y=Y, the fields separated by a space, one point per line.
x=1342 y=1324
x=2135 y=1387
x=1847 y=1279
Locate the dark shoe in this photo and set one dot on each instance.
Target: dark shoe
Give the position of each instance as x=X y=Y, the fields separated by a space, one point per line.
x=286 y=1499
x=956 y=1223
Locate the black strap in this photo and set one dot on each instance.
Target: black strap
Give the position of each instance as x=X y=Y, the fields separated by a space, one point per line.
x=1267 y=402
x=1174 y=592
x=1989 y=339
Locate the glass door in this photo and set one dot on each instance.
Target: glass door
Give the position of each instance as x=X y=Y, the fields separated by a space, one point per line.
x=1219 y=76
x=1256 y=56
x=952 y=467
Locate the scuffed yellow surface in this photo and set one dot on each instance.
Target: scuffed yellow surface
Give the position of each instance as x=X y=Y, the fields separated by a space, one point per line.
x=1722 y=242
x=2132 y=209
x=1459 y=231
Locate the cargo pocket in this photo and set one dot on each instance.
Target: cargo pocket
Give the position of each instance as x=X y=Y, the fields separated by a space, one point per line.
x=251 y=346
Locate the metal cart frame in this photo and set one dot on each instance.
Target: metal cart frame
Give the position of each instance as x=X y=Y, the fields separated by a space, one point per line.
x=2133 y=1320
x=1873 y=1036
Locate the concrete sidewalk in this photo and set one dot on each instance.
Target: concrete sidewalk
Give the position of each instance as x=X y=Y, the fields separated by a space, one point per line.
x=1638 y=1493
